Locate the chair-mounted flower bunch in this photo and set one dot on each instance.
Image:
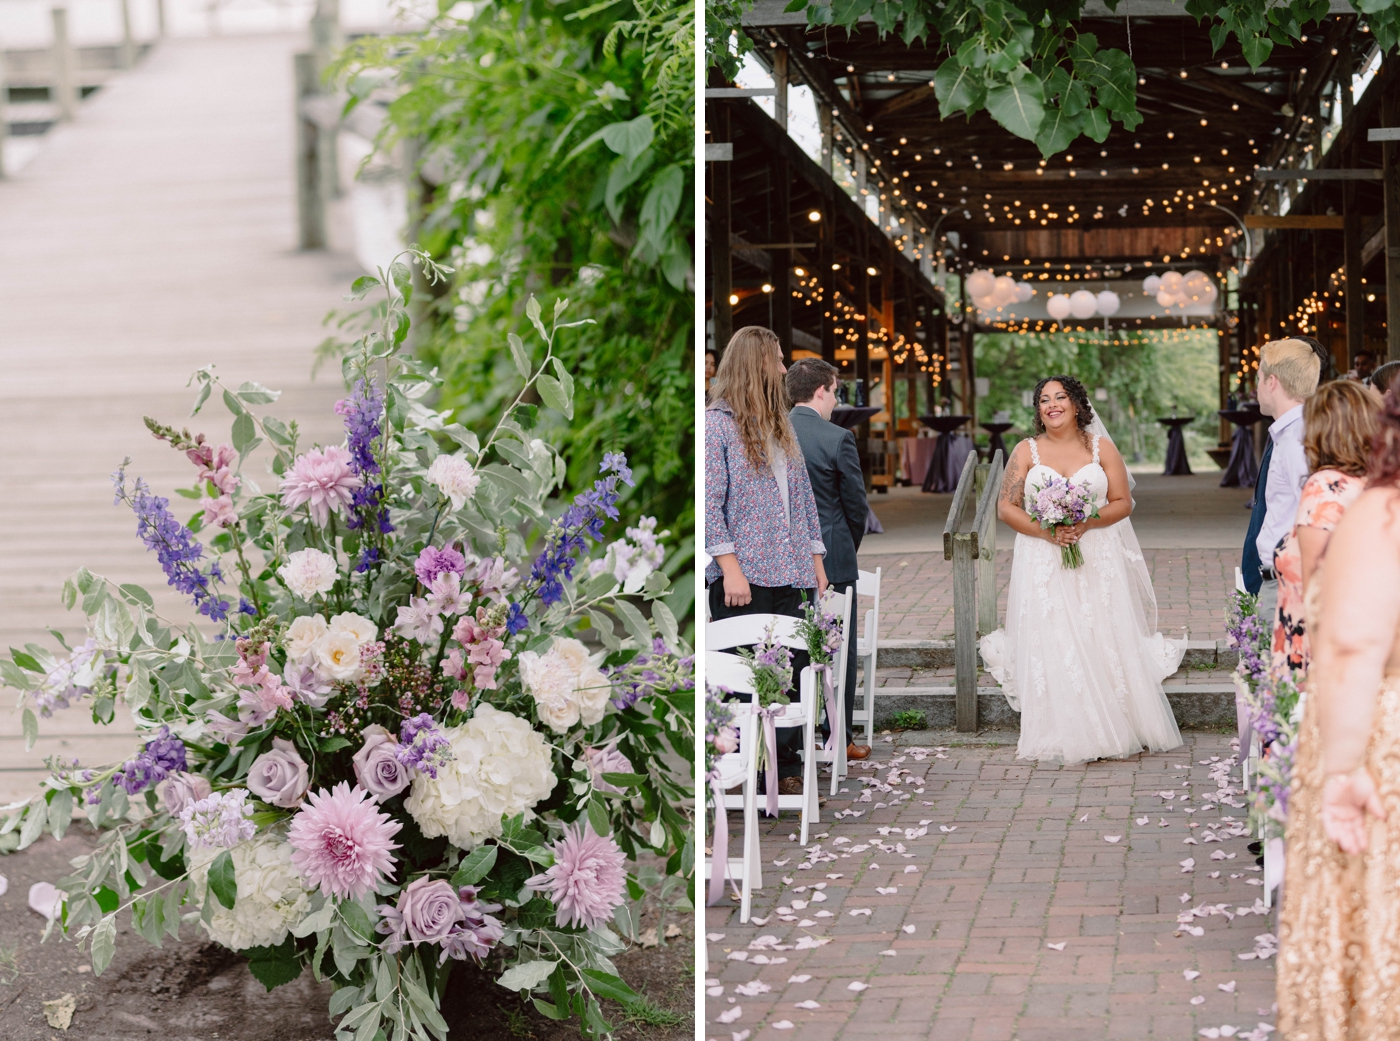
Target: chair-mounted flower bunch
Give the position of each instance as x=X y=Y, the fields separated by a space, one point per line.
x=380 y=747
x=1275 y=708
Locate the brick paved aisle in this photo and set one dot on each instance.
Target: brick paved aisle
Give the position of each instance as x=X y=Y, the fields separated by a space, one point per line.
x=994 y=900
x=916 y=597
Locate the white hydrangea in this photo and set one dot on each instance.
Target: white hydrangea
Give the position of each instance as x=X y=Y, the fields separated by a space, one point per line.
x=502 y=768
x=308 y=572
x=455 y=478
x=271 y=896
x=566 y=683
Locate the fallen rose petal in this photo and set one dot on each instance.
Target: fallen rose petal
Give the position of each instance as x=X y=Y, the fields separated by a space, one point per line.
x=860 y=911
x=908 y=928
x=1112 y=838
x=782 y=863
x=1228 y=988
x=1187 y=865
x=730 y=1015
x=782 y=1024
x=806 y=923
x=1140 y=821
x=1227 y=1031
x=945 y=828
x=1057 y=946
x=857 y=985
x=738 y=955
x=799 y=979
x=886 y=890
x=715 y=937
x=1083 y=818
x=45 y=899
x=1190 y=974
x=888 y=954
x=1199 y=999
x=808 y=1004
x=759 y=921
x=910 y=869
x=740 y=1035
x=1209 y=1032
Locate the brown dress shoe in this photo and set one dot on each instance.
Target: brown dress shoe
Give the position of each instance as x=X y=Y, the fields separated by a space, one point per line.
x=790 y=786
x=855 y=751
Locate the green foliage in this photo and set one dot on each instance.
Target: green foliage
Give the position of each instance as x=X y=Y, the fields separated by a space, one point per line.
x=909 y=719
x=724 y=47
x=566 y=133
x=274 y=966
x=1026 y=63
x=1145 y=373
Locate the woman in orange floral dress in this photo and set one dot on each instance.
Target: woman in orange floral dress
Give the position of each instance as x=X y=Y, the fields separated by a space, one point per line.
x=1339 y=421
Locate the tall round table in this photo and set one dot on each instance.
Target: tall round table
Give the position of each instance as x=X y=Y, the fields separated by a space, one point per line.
x=939 y=477
x=850 y=417
x=1177 y=466
x=1241 y=471
x=996 y=430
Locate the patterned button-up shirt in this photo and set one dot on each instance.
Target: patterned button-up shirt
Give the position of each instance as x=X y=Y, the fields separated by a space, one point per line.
x=744 y=512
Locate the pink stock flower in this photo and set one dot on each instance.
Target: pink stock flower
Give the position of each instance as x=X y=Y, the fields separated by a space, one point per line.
x=216 y=465
x=484 y=649
x=341 y=843
x=322 y=480
x=586 y=881
x=218 y=512
x=453 y=665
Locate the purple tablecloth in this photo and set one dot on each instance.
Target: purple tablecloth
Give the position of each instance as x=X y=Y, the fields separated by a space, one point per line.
x=915 y=453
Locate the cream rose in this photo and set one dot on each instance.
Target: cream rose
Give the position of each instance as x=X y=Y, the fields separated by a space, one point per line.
x=308 y=572
x=337 y=656
x=566 y=683
x=302 y=634
x=357 y=626
x=503 y=767
x=455 y=478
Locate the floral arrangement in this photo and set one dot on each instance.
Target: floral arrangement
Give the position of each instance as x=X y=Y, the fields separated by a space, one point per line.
x=721 y=732
x=820 y=627
x=771 y=665
x=1060 y=503
x=1274 y=708
x=1251 y=636
x=381 y=748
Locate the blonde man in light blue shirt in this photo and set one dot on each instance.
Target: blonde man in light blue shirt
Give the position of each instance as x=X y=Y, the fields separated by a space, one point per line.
x=1288 y=373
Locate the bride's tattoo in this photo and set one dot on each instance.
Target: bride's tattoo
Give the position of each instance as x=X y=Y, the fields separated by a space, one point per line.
x=1013 y=483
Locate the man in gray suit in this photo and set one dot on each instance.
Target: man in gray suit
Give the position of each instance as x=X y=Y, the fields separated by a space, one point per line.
x=833 y=464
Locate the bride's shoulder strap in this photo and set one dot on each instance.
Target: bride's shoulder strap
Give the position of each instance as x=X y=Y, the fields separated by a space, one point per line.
x=1035 y=451
x=1096 y=447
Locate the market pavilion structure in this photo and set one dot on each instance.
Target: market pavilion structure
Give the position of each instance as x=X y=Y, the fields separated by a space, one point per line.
x=1281 y=184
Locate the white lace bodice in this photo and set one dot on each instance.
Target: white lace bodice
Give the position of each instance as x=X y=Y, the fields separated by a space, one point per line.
x=1091 y=475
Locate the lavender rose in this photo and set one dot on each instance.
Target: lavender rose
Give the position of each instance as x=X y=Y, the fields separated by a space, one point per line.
x=279 y=777
x=430 y=909
x=377 y=766
x=606 y=761
x=180 y=790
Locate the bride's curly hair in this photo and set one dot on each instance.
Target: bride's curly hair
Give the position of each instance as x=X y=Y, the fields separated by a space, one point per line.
x=1083 y=411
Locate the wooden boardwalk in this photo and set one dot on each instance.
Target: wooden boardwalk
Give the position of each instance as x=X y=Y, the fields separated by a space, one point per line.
x=154 y=235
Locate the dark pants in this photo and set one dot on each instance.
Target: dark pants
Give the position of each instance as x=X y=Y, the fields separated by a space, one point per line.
x=841 y=587
x=772 y=600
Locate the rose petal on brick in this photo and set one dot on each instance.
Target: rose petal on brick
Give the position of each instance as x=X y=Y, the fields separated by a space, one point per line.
x=806 y=923
x=808 y=1004
x=1190 y=974
x=740 y=1035
x=1083 y=818
x=1140 y=821
x=782 y=863
x=1199 y=999
x=946 y=829
x=799 y=979
x=860 y=910
x=1112 y=838
x=888 y=954
x=857 y=986
x=1228 y=988
x=1188 y=865
x=714 y=937
x=730 y=1015
x=782 y=1024
x=886 y=890
x=759 y=921
x=1057 y=946
x=738 y=955
x=908 y=928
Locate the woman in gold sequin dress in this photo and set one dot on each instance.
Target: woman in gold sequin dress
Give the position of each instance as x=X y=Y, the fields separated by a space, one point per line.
x=1339 y=931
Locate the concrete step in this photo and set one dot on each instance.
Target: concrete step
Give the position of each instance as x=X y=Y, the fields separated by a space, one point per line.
x=938 y=654
x=1197 y=706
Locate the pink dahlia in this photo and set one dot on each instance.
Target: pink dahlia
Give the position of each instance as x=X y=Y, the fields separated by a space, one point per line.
x=341 y=843
x=587 y=879
x=323 y=480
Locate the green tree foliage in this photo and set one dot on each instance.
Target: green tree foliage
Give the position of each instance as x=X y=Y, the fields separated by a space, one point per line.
x=1145 y=373
x=1027 y=63
x=560 y=140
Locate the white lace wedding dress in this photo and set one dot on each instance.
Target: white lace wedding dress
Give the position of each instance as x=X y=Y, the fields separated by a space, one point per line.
x=1080 y=657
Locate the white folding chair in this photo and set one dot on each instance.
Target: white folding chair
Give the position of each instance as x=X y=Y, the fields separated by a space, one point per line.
x=729 y=670
x=837 y=756
x=868 y=584
x=735 y=769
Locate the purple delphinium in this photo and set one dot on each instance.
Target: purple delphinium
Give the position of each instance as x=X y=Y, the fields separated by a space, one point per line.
x=422 y=746
x=647 y=673
x=583 y=521
x=175 y=546
x=516 y=619
x=1250 y=635
x=162 y=756
x=362 y=412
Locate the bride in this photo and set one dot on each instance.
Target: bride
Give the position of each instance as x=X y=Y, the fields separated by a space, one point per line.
x=1080 y=656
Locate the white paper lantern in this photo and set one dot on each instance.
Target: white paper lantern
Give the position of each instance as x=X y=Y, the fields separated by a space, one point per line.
x=1211 y=292
x=1172 y=282
x=1083 y=303
x=1108 y=303
x=981 y=284
x=1058 y=306
x=1165 y=299
x=1005 y=291
x=1024 y=292
x=1151 y=284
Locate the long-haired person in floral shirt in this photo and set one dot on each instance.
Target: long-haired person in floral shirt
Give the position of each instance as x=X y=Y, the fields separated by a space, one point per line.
x=761 y=524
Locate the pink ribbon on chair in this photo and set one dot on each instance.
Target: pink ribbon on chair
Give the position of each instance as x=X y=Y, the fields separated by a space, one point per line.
x=768 y=717
x=829 y=690
x=719 y=867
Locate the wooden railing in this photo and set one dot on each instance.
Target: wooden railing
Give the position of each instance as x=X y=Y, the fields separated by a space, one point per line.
x=971 y=544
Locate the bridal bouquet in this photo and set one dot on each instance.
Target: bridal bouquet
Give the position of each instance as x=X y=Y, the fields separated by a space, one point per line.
x=383 y=748
x=1062 y=504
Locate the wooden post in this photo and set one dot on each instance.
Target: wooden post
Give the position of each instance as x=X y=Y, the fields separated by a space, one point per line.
x=965 y=629
x=780 y=260
x=160 y=18
x=63 y=83
x=126 y=56
x=1355 y=294
x=1390 y=113
x=311 y=213
x=780 y=81
x=721 y=310
x=326 y=41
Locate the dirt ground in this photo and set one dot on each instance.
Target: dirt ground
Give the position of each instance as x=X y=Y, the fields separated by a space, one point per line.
x=195 y=991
